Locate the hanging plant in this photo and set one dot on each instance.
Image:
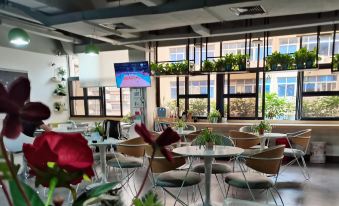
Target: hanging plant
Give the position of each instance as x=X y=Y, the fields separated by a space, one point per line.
x=59 y=106
x=60 y=90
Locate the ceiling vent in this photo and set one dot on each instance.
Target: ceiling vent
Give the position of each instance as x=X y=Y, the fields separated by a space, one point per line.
x=117 y=26
x=248 y=10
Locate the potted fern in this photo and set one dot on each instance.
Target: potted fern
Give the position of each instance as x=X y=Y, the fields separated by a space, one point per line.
x=240 y=61
x=214 y=116
x=272 y=61
x=208 y=139
x=180 y=125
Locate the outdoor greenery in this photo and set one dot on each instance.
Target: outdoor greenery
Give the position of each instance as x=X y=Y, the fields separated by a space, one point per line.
x=321 y=107
x=242 y=107
x=336 y=62
x=276 y=106
x=170 y=68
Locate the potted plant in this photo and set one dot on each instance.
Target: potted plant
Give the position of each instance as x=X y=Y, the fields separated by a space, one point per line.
x=182 y=67
x=218 y=64
x=59 y=106
x=214 y=116
x=272 y=61
x=60 y=90
x=180 y=125
x=300 y=58
x=310 y=58
x=98 y=128
x=335 y=62
x=208 y=139
x=208 y=66
x=240 y=61
x=262 y=127
x=286 y=61
x=155 y=68
x=228 y=62
x=61 y=73
x=128 y=118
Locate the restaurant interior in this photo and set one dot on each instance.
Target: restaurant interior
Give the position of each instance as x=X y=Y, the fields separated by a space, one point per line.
x=169 y=102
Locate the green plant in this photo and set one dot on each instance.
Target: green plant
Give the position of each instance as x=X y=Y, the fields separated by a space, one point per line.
x=198 y=107
x=150 y=199
x=310 y=58
x=286 y=61
x=229 y=61
x=273 y=60
x=98 y=127
x=60 y=90
x=321 y=107
x=128 y=118
x=207 y=136
x=180 y=123
x=208 y=66
x=275 y=106
x=300 y=57
x=214 y=114
x=335 y=62
x=61 y=72
x=263 y=126
x=182 y=67
x=59 y=106
x=240 y=61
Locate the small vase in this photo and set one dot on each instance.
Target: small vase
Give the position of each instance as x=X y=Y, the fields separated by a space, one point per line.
x=180 y=130
x=209 y=145
x=261 y=131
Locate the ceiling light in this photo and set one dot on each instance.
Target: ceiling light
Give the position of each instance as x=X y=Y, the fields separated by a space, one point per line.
x=18 y=37
x=257 y=41
x=92 y=49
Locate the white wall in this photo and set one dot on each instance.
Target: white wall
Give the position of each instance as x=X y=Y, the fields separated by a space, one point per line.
x=38 y=67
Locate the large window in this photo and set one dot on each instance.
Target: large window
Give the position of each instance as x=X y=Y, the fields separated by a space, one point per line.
x=288 y=45
x=287 y=86
x=97 y=101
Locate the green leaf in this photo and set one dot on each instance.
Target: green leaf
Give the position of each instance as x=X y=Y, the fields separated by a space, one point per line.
x=94 y=192
x=18 y=200
x=150 y=199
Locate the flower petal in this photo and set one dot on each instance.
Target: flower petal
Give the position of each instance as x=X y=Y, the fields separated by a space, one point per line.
x=11 y=126
x=167 y=153
x=168 y=137
x=35 y=111
x=144 y=133
x=19 y=91
x=7 y=106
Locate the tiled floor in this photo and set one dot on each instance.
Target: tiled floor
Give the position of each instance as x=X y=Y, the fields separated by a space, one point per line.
x=321 y=190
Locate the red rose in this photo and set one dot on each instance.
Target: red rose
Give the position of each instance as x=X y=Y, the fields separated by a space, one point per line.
x=70 y=152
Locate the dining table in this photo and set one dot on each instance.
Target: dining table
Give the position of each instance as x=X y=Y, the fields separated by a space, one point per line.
x=208 y=155
x=269 y=136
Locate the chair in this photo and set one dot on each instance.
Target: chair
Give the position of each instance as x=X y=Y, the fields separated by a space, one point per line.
x=266 y=162
x=129 y=155
x=217 y=168
x=190 y=127
x=164 y=174
x=190 y=137
x=247 y=129
x=113 y=129
x=244 y=140
x=299 y=143
x=164 y=125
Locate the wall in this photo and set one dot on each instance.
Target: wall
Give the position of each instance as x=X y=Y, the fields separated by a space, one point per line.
x=38 y=67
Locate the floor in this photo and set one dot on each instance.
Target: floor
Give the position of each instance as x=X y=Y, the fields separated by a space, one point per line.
x=322 y=189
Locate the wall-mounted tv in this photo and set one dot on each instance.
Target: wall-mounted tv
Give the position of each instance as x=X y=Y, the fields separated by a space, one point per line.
x=132 y=74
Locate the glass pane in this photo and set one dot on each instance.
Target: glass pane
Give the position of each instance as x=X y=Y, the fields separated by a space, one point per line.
x=198 y=107
x=74 y=66
x=112 y=95
x=172 y=53
x=325 y=106
x=78 y=107
x=242 y=107
x=126 y=101
x=93 y=91
x=168 y=92
x=213 y=91
x=320 y=81
x=198 y=84
x=77 y=91
x=94 y=107
x=242 y=83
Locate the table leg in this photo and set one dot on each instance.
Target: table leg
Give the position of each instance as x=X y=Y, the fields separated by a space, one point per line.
x=102 y=149
x=262 y=143
x=208 y=173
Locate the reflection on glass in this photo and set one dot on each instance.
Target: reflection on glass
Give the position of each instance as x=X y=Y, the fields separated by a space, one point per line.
x=94 y=107
x=78 y=107
x=112 y=95
x=198 y=107
x=242 y=83
x=320 y=81
x=325 y=106
x=242 y=107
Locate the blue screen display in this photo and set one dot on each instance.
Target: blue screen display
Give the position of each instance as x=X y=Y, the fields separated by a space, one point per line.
x=132 y=74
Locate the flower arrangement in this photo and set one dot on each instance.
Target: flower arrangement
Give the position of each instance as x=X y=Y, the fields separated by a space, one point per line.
x=214 y=116
x=262 y=127
x=207 y=138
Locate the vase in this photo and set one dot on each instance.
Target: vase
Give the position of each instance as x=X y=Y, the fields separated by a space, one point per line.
x=300 y=66
x=261 y=131
x=214 y=120
x=180 y=130
x=309 y=64
x=209 y=145
x=274 y=67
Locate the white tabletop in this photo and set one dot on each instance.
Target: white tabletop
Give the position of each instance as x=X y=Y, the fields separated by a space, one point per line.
x=273 y=135
x=110 y=141
x=65 y=130
x=184 y=132
x=218 y=151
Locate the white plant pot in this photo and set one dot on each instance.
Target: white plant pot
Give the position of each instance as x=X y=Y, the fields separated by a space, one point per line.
x=180 y=130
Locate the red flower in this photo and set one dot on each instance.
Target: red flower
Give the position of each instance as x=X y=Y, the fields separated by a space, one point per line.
x=13 y=102
x=168 y=137
x=70 y=153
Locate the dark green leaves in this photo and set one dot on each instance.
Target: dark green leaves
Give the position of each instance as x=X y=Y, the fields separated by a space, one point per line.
x=18 y=200
x=150 y=199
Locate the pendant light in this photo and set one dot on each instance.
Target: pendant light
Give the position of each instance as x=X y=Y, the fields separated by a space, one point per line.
x=18 y=37
x=92 y=49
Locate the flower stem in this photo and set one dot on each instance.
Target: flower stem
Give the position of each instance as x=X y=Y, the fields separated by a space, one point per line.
x=146 y=175
x=4 y=188
x=52 y=185
x=12 y=171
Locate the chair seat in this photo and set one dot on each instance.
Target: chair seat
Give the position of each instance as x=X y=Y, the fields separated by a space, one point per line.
x=255 y=181
x=289 y=152
x=176 y=178
x=96 y=156
x=217 y=168
x=121 y=161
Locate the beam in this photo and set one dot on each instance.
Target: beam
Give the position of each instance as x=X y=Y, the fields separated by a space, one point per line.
x=117 y=43
x=201 y=30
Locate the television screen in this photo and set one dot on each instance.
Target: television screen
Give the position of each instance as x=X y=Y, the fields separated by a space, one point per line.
x=132 y=74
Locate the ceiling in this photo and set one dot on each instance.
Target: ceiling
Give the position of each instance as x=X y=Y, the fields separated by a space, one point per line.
x=132 y=23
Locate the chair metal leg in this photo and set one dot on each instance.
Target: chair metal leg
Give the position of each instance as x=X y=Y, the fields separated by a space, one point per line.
x=305 y=168
x=222 y=192
x=275 y=189
x=228 y=189
x=273 y=197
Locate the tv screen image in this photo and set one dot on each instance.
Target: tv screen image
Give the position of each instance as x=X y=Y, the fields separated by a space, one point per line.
x=132 y=74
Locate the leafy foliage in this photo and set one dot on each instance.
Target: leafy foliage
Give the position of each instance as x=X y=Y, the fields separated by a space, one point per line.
x=171 y=68
x=180 y=123
x=98 y=127
x=263 y=125
x=150 y=199
x=18 y=200
x=208 y=136
x=321 y=107
x=336 y=62
x=242 y=107
x=276 y=106
x=60 y=90
x=214 y=114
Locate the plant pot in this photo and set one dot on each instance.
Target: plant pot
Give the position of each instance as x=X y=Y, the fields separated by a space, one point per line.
x=242 y=67
x=180 y=130
x=214 y=119
x=209 y=145
x=189 y=117
x=261 y=131
x=300 y=66
x=309 y=64
x=274 y=67
x=228 y=67
x=284 y=66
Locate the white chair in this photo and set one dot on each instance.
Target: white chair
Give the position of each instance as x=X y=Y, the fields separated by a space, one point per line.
x=248 y=129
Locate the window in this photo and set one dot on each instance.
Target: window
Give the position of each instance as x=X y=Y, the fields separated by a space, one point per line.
x=320 y=83
x=195 y=53
x=233 y=47
x=288 y=45
x=287 y=86
x=177 y=54
x=242 y=83
x=97 y=101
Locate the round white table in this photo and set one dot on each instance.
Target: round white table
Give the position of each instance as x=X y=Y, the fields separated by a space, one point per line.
x=270 y=136
x=102 y=149
x=208 y=155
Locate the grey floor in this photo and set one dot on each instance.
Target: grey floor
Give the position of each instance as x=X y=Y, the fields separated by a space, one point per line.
x=321 y=190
